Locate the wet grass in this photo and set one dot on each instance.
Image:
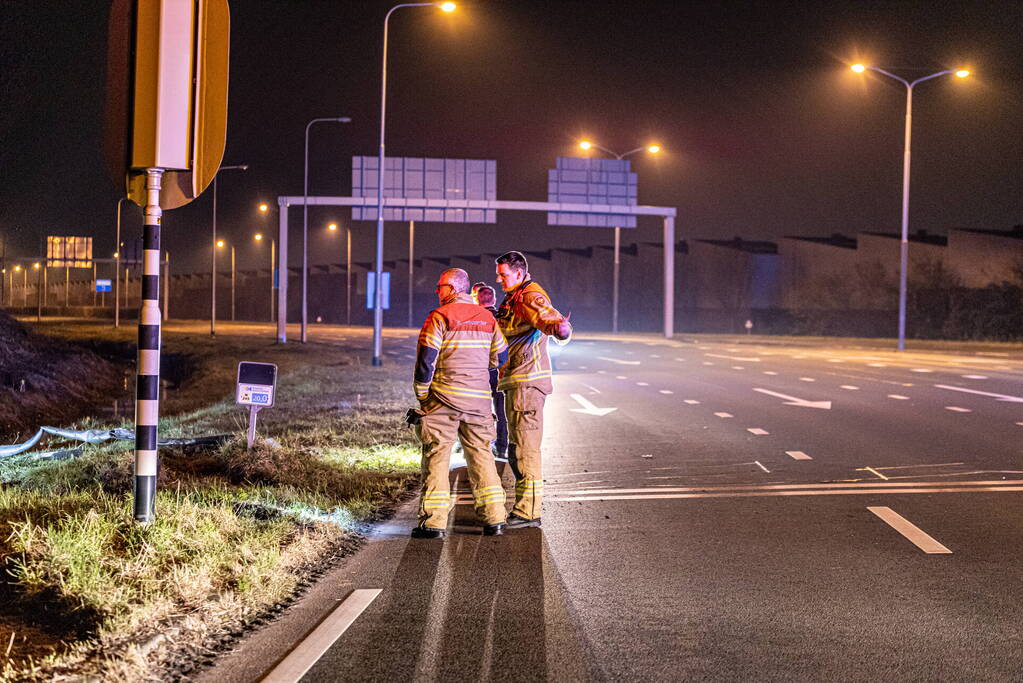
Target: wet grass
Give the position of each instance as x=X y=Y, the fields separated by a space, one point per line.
x=236 y=531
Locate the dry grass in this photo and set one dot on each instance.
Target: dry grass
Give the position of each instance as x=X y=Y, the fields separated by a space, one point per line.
x=236 y=533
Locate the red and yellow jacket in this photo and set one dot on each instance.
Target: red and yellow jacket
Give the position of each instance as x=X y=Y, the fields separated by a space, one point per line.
x=527 y=318
x=459 y=343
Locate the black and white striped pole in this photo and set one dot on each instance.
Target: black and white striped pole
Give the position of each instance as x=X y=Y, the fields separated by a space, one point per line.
x=147 y=382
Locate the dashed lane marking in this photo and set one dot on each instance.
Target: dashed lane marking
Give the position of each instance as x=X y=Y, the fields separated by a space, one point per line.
x=595 y=390
x=666 y=391
x=807 y=379
x=738 y=367
x=724 y=416
x=912 y=532
x=798 y=455
x=681 y=360
x=309 y=651
x=757 y=431
x=876 y=365
x=770 y=372
x=898 y=397
x=707 y=362
x=924 y=370
x=621 y=377
x=692 y=402
x=957 y=409
x=619 y=361
x=850 y=387
x=974 y=376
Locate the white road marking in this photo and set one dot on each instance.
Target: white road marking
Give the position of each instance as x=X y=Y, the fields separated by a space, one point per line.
x=681 y=360
x=850 y=387
x=642 y=384
x=836 y=360
x=913 y=533
x=747 y=359
x=920 y=370
x=876 y=365
x=1020 y=424
x=793 y=401
x=757 y=431
x=588 y=408
x=798 y=455
x=618 y=361
x=707 y=362
x=654 y=355
x=621 y=377
x=593 y=389
x=757 y=463
x=898 y=397
x=692 y=402
x=974 y=376
x=601 y=372
x=666 y=391
x=582 y=367
x=1000 y=397
x=807 y=379
x=957 y=409
x=724 y=416
x=872 y=471
x=738 y=367
x=309 y=651
x=770 y=372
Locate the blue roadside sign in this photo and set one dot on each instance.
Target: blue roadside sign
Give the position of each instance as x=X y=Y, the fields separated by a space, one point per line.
x=371 y=290
x=103 y=285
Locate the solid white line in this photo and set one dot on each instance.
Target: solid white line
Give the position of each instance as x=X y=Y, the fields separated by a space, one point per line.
x=798 y=455
x=789 y=492
x=1000 y=397
x=912 y=532
x=874 y=472
x=757 y=430
x=309 y=651
x=757 y=463
x=724 y=415
x=874 y=486
x=618 y=361
x=957 y=409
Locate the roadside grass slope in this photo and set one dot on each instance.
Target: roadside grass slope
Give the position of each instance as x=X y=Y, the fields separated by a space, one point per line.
x=91 y=593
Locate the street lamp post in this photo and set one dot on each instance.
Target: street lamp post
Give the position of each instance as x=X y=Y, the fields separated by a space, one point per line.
x=273 y=256
x=616 y=271
x=233 y=276
x=213 y=259
x=904 y=242
x=305 y=222
x=378 y=299
x=117 y=267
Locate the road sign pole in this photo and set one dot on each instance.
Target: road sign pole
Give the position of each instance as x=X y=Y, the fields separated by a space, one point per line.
x=147 y=382
x=411 y=243
x=669 y=276
x=615 y=279
x=282 y=273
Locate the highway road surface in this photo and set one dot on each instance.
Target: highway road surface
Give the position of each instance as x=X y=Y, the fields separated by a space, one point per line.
x=715 y=510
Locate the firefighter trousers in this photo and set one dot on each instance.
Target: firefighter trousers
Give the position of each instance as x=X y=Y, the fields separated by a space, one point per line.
x=438 y=431
x=524 y=406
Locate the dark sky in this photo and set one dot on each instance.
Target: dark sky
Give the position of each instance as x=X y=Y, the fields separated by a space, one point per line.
x=766 y=131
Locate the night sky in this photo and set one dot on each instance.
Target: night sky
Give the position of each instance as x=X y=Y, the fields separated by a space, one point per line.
x=766 y=131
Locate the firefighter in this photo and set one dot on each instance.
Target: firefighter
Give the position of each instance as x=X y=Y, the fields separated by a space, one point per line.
x=485 y=297
x=526 y=318
x=459 y=343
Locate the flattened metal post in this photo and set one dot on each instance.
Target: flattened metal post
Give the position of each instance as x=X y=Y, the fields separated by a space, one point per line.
x=282 y=272
x=669 y=276
x=147 y=381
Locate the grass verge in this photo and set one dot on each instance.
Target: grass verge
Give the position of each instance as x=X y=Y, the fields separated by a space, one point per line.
x=91 y=593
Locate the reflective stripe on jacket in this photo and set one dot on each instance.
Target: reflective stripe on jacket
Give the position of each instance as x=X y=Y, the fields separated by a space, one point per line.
x=459 y=343
x=527 y=318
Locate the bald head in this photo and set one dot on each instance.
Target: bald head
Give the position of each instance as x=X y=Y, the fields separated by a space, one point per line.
x=457 y=278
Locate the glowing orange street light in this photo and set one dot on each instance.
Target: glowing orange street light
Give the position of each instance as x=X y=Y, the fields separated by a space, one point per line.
x=332 y=227
x=448 y=6
x=904 y=243
x=17 y=269
x=258 y=236
x=263 y=208
x=653 y=149
x=35 y=266
x=586 y=144
x=220 y=244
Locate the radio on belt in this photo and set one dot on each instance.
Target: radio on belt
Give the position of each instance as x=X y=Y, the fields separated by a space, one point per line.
x=257 y=384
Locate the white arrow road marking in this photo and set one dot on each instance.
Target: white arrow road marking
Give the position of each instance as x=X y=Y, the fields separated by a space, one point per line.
x=620 y=362
x=798 y=455
x=757 y=431
x=1000 y=397
x=793 y=401
x=911 y=531
x=742 y=358
x=588 y=408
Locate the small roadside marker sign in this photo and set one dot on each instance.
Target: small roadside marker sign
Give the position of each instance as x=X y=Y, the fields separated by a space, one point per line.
x=104 y=285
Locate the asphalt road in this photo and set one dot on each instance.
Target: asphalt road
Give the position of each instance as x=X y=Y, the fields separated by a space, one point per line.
x=726 y=521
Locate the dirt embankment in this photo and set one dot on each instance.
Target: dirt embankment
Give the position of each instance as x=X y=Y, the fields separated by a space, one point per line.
x=45 y=381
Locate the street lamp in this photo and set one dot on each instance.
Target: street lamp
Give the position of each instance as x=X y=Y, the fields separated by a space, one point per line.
x=378 y=300
x=305 y=222
x=652 y=148
x=213 y=259
x=348 y=271
x=904 y=244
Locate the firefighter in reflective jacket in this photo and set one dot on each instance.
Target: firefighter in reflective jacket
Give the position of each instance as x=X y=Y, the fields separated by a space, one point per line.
x=459 y=343
x=526 y=318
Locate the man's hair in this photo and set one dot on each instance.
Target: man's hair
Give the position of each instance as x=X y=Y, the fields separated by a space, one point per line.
x=485 y=296
x=479 y=285
x=514 y=259
x=457 y=278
